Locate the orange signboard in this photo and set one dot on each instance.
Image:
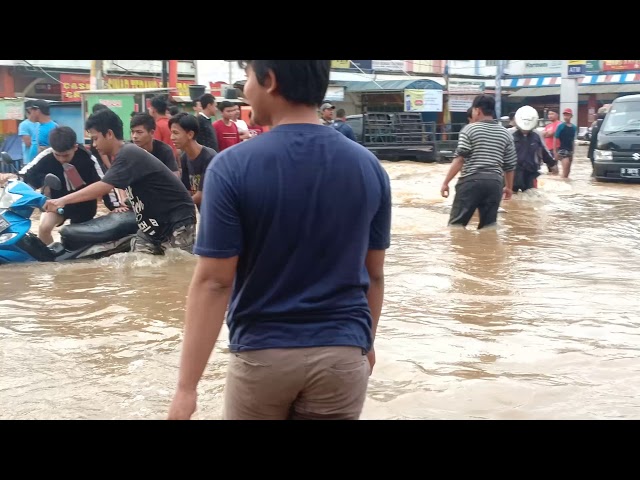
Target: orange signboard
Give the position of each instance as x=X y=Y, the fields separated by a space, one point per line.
x=72 y=84
x=620 y=65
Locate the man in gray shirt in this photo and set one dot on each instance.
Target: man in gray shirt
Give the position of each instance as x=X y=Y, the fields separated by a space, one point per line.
x=487 y=159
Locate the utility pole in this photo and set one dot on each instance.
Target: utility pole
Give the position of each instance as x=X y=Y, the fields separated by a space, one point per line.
x=499 y=74
x=446 y=115
x=165 y=73
x=96 y=78
x=173 y=74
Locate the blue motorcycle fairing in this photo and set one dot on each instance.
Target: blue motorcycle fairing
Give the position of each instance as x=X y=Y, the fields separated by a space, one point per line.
x=15 y=256
x=19 y=218
x=18 y=224
x=9 y=250
x=30 y=199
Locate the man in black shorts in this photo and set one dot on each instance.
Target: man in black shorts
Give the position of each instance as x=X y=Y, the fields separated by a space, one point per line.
x=165 y=212
x=567 y=133
x=76 y=168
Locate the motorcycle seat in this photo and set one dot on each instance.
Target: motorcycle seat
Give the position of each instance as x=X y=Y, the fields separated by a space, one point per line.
x=106 y=228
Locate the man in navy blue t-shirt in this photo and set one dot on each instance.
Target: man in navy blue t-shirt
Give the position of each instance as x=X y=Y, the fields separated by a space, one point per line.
x=293 y=231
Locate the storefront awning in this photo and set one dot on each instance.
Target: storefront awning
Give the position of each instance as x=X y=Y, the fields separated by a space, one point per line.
x=620 y=88
x=388 y=86
x=590 y=79
x=582 y=90
x=518 y=82
x=535 y=92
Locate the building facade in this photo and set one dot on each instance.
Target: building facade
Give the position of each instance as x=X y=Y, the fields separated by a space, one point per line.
x=62 y=80
x=537 y=83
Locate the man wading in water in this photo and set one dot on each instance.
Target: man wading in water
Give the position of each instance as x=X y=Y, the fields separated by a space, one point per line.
x=294 y=228
x=485 y=150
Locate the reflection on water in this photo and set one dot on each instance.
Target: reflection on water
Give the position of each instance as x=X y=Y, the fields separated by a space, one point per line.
x=536 y=318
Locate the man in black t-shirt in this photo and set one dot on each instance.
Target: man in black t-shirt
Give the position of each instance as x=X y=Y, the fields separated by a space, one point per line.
x=75 y=168
x=164 y=209
x=195 y=157
x=142 y=127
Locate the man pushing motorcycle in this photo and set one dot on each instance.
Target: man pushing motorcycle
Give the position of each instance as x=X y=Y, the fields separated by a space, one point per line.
x=76 y=168
x=165 y=212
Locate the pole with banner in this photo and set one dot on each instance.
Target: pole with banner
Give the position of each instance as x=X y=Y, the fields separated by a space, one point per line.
x=572 y=71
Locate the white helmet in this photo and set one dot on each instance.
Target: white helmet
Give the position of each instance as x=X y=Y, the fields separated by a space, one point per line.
x=526 y=118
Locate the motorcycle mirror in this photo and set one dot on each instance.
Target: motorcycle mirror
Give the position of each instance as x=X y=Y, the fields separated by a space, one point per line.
x=6 y=158
x=52 y=182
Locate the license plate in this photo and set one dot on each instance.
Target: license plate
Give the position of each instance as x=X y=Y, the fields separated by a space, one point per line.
x=630 y=172
x=3 y=224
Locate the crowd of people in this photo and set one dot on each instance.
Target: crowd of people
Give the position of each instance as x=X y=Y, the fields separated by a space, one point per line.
x=494 y=161
x=293 y=228
x=124 y=174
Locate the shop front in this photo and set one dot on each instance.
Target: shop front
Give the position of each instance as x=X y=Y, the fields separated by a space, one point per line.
x=594 y=91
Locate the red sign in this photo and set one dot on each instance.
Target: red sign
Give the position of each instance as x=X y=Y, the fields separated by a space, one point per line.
x=216 y=88
x=73 y=84
x=620 y=65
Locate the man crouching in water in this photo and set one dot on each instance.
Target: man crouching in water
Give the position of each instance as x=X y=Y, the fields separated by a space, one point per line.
x=165 y=212
x=76 y=168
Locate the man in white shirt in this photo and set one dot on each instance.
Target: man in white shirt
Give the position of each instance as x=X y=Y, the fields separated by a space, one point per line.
x=243 y=128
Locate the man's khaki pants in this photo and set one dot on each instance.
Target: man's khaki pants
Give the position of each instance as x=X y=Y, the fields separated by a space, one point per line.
x=316 y=383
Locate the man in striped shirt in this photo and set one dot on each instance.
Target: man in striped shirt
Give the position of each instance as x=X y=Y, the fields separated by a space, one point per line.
x=487 y=157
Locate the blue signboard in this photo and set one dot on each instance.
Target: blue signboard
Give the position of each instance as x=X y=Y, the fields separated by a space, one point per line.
x=578 y=70
x=363 y=64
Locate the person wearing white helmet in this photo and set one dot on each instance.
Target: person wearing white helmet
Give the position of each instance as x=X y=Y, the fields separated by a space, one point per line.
x=530 y=149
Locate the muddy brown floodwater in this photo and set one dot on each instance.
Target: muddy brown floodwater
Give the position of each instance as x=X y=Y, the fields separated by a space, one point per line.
x=536 y=319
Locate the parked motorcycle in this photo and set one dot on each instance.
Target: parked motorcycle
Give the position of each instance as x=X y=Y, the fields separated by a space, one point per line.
x=96 y=238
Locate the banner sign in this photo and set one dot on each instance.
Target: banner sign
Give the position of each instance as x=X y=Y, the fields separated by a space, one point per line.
x=72 y=84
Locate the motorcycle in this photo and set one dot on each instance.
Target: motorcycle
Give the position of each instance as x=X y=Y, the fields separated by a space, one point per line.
x=100 y=237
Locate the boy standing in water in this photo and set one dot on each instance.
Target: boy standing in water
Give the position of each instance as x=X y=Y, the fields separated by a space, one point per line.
x=566 y=133
x=294 y=228
x=195 y=158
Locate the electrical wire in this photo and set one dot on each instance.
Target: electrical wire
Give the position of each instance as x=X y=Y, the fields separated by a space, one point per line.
x=125 y=69
x=43 y=71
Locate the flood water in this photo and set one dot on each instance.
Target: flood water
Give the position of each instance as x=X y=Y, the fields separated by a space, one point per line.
x=533 y=320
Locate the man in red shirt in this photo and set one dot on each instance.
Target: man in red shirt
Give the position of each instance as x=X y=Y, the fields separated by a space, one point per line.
x=548 y=134
x=225 y=128
x=158 y=110
x=254 y=128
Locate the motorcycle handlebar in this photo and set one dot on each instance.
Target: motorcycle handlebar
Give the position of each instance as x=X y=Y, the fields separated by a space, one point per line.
x=59 y=211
